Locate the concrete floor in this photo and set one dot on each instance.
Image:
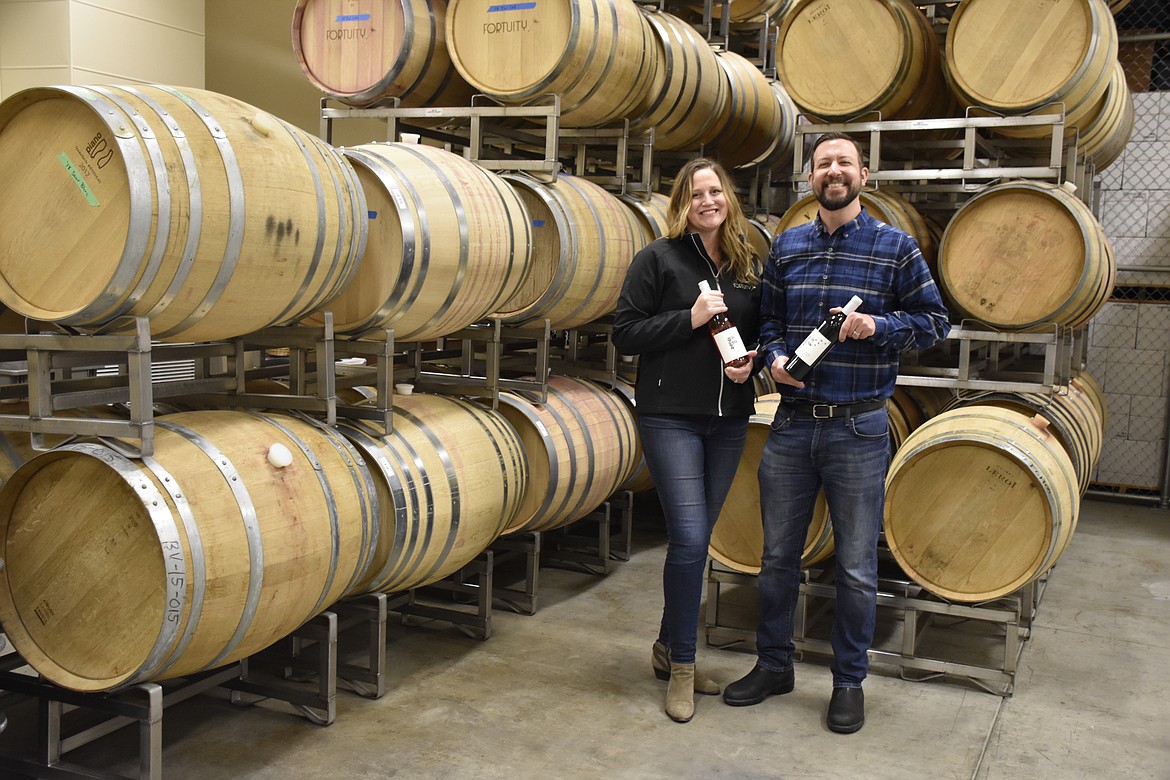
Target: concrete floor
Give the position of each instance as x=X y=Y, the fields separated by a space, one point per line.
x=568 y=693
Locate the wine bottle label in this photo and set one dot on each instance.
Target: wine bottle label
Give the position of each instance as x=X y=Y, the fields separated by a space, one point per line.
x=813 y=347
x=730 y=344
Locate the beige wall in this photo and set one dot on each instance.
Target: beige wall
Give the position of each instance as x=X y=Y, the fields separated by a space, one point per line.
x=250 y=56
x=34 y=44
x=44 y=42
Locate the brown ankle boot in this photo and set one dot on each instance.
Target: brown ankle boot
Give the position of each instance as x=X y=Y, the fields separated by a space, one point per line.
x=680 y=693
x=660 y=660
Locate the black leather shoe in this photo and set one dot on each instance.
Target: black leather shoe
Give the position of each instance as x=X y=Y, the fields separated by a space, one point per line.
x=846 y=710
x=759 y=684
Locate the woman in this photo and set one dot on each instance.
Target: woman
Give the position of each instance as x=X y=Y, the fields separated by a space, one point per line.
x=692 y=410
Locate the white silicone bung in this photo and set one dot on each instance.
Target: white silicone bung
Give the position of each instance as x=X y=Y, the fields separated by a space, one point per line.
x=279 y=455
x=404 y=388
x=262 y=124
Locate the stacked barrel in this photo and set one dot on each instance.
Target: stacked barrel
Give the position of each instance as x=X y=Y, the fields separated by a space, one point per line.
x=212 y=219
x=604 y=61
x=243 y=525
x=997 y=58
x=1018 y=256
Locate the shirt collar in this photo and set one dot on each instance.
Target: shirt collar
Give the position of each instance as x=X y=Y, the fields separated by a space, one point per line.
x=845 y=230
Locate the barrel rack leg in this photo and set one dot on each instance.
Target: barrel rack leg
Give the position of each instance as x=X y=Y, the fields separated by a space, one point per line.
x=320 y=705
x=590 y=553
x=593 y=553
x=523 y=599
x=470 y=586
x=561 y=546
x=622 y=506
x=142 y=704
x=369 y=610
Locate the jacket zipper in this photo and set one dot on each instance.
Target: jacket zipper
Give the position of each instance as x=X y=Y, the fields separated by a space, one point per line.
x=714 y=275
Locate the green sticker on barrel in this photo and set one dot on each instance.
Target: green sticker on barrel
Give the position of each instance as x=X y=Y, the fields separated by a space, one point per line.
x=78 y=179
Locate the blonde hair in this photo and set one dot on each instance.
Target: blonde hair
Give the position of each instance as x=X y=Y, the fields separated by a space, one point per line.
x=737 y=251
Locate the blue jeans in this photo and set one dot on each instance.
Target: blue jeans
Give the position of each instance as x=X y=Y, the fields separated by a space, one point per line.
x=693 y=460
x=849 y=458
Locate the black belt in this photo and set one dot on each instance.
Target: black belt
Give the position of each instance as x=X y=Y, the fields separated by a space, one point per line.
x=829 y=411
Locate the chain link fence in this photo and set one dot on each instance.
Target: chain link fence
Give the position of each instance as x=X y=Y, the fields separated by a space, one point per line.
x=1129 y=341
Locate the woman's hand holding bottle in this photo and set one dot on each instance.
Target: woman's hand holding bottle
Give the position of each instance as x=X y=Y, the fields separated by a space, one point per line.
x=707 y=305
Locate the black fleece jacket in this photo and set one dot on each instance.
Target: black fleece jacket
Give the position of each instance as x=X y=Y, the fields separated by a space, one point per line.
x=679 y=368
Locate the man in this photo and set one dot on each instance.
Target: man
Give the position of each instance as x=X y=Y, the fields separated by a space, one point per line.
x=830 y=431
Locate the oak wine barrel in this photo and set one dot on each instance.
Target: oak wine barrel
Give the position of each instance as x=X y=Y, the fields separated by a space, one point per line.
x=1026 y=254
x=449 y=478
x=583 y=239
x=119 y=571
x=687 y=92
x=207 y=216
x=595 y=54
x=1017 y=57
x=388 y=49
x=448 y=243
x=650 y=213
x=750 y=124
x=840 y=61
x=980 y=501
x=581 y=446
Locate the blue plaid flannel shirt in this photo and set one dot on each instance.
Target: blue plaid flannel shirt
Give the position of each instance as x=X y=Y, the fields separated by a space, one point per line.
x=809 y=271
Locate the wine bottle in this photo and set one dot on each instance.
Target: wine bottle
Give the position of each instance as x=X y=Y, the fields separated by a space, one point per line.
x=818 y=343
x=726 y=335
